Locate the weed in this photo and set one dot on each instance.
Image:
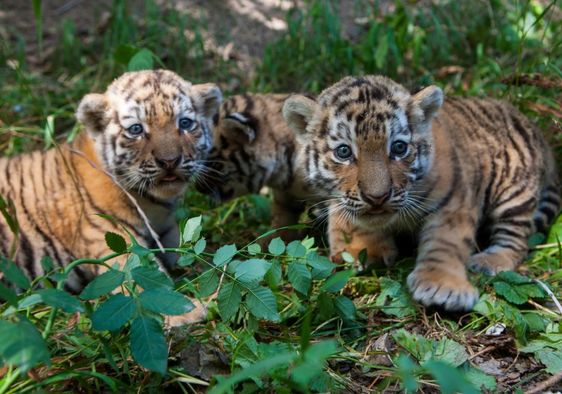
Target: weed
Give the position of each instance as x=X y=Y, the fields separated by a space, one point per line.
x=284 y=318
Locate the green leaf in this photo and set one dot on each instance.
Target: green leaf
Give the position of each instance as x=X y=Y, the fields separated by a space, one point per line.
x=13 y=273
x=345 y=307
x=60 y=299
x=229 y=300
x=274 y=276
x=300 y=277
x=151 y=277
x=224 y=254
x=450 y=380
x=22 y=345
x=124 y=52
x=416 y=345
x=314 y=361
x=479 y=379
x=8 y=295
x=142 y=60
x=262 y=304
x=208 y=283
x=103 y=284
x=296 y=249
x=133 y=261
x=113 y=313
x=449 y=351
x=516 y=288
x=165 y=301
x=47 y=264
x=30 y=300
x=326 y=307
x=186 y=260
x=394 y=300
x=262 y=367
x=322 y=267
x=552 y=360
x=254 y=249
x=381 y=51
x=276 y=246
x=148 y=344
x=406 y=370
x=337 y=281
x=116 y=242
x=192 y=229
x=200 y=246
x=251 y=271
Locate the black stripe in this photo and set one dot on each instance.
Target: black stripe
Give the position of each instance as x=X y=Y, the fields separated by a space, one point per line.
x=525 y=207
x=454 y=186
x=289 y=153
x=28 y=260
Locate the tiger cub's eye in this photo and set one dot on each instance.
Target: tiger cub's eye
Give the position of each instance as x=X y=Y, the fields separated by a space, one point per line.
x=135 y=130
x=399 y=148
x=187 y=124
x=343 y=152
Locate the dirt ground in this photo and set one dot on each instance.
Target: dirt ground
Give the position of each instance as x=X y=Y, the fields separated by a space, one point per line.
x=239 y=29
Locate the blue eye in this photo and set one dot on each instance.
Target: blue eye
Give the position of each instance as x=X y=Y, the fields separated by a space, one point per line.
x=399 y=148
x=187 y=124
x=135 y=130
x=343 y=152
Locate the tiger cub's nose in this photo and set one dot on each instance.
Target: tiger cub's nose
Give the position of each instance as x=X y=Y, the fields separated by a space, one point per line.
x=168 y=164
x=375 y=200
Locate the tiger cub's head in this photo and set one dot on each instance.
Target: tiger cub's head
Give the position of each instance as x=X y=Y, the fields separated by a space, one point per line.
x=250 y=135
x=151 y=130
x=367 y=143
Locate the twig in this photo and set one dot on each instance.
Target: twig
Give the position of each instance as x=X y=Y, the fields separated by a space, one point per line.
x=485 y=350
x=551 y=294
x=542 y=386
x=543 y=308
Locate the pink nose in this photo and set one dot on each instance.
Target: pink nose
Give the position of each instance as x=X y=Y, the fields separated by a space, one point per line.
x=168 y=164
x=375 y=200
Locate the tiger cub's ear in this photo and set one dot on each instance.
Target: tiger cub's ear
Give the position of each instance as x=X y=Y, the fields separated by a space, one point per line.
x=298 y=111
x=208 y=98
x=92 y=112
x=239 y=128
x=424 y=105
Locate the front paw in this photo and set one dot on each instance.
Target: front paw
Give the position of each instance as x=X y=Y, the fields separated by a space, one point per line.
x=490 y=263
x=196 y=315
x=452 y=291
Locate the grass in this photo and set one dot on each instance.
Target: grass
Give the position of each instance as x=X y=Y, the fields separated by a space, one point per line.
x=305 y=328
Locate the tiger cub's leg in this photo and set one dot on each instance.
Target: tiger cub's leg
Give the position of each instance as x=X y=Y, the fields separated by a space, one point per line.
x=285 y=212
x=440 y=276
x=345 y=236
x=508 y=244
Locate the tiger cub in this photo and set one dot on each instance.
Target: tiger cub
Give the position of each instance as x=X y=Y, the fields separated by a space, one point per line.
x=147 y=135
x=451 y=168
x=253 y=147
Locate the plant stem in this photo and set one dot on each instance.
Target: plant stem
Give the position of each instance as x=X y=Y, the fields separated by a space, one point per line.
x=60 y=285
x=11 y=376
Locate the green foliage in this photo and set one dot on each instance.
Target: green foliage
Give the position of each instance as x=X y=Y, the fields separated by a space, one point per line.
x=394 y=299
x=280 y=308
x=516 y=288
x=22 y=345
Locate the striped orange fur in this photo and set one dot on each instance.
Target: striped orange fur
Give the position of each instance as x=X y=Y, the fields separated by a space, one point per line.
x=147 y=135
x=254 y=147
x=447 y=169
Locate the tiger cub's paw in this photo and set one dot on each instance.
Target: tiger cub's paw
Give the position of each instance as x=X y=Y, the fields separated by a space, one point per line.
x=196 y=315
x=490 y=263
x=449 y=290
